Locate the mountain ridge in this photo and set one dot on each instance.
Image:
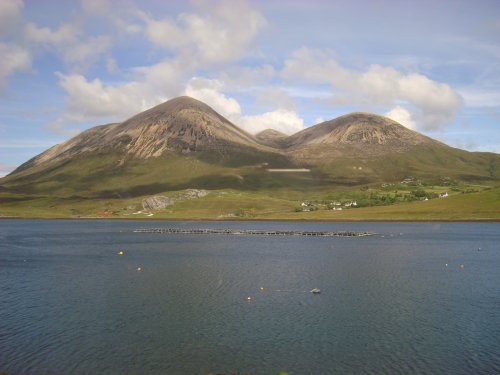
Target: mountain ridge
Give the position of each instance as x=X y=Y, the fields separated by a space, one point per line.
x=181 y=124
x=145 y=153
x=186 y=124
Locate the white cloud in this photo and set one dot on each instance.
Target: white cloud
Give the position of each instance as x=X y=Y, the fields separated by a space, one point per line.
x=125 y=26
x=212 y=35
x=86 y=53
x=165 y=33
x=93 y=100
x=65 y=34
x=79 y=53
x=216 y=34
x=10 y=12
x=401 y=115
x=243 y=78
x=207 y=91
x=312 y=65
x=14 y=58
x=433 y=104
x=31 y=40
x=274 y=97
x=283 y=120
x=92 y=97
x=165 y=78
x=97 y=7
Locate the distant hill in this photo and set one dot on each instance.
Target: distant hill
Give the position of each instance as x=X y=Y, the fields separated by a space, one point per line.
x=183 y=143
x=272 y=138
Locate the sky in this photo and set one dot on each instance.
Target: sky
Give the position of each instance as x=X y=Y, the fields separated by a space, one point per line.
x=66 y=66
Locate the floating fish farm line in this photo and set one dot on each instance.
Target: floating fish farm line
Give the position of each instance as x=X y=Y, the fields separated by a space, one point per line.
x=253 y=232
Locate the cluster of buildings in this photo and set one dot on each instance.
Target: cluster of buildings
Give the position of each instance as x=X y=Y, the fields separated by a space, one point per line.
x=336 y=205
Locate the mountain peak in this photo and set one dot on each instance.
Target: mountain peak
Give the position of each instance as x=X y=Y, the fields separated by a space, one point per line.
x=365 y=118
x=272 y=138
x=355 y=148
x=181 y=103
x=360 y=132
x=170 y=108
x=183 y=124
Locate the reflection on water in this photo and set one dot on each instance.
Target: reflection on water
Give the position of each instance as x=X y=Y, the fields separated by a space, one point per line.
x=398 y=302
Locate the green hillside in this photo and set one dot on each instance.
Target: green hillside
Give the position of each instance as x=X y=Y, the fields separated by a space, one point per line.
x=183 y=144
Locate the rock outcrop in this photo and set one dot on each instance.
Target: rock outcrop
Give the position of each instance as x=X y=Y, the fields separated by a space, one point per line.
x=194 y=193
x=157 y=202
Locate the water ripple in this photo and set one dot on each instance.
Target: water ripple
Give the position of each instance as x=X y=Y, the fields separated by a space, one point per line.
x=389 y=304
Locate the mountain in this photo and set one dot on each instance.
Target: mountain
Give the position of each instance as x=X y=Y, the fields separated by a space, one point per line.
x=272 y=138
x=183 y=143
x=350 y=133
x=182 y=124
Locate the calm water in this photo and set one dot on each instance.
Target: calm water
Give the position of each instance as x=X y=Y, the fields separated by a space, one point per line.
x=397 y=303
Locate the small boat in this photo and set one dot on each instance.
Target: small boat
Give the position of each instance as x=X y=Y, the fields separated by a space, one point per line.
x=316 y=291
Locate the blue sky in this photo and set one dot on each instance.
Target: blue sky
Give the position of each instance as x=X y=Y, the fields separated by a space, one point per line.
x=66 y=66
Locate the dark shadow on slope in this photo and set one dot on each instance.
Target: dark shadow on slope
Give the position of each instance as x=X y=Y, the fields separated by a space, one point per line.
x=249 y=182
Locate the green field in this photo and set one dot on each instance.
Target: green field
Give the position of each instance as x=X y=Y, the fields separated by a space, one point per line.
x=392 y=202
x=399 y=187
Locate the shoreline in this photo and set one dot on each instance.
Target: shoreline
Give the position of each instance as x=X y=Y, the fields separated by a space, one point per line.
x=312 y=220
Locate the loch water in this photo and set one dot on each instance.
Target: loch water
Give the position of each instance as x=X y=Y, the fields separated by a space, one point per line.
x=413 y=298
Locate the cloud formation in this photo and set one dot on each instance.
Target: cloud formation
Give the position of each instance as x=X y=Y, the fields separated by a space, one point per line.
x=209 y=91
x=208 y=52
x=90 y=100
x=212 y=35
x=401 y=115
x=97 y=7
x=79 y=52
x=432 y=104
x=10 y=12
x=65 y=34
x=283 y=120
x=14 y=58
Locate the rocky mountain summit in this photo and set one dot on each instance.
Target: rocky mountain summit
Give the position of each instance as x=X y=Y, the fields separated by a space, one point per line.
x=358 y=129
x=185 y=144
x=181 y=125
x=186 y=125
x=355 y=134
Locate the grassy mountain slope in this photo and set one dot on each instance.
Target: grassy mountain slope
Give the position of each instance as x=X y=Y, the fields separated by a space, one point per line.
x=183 y=144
